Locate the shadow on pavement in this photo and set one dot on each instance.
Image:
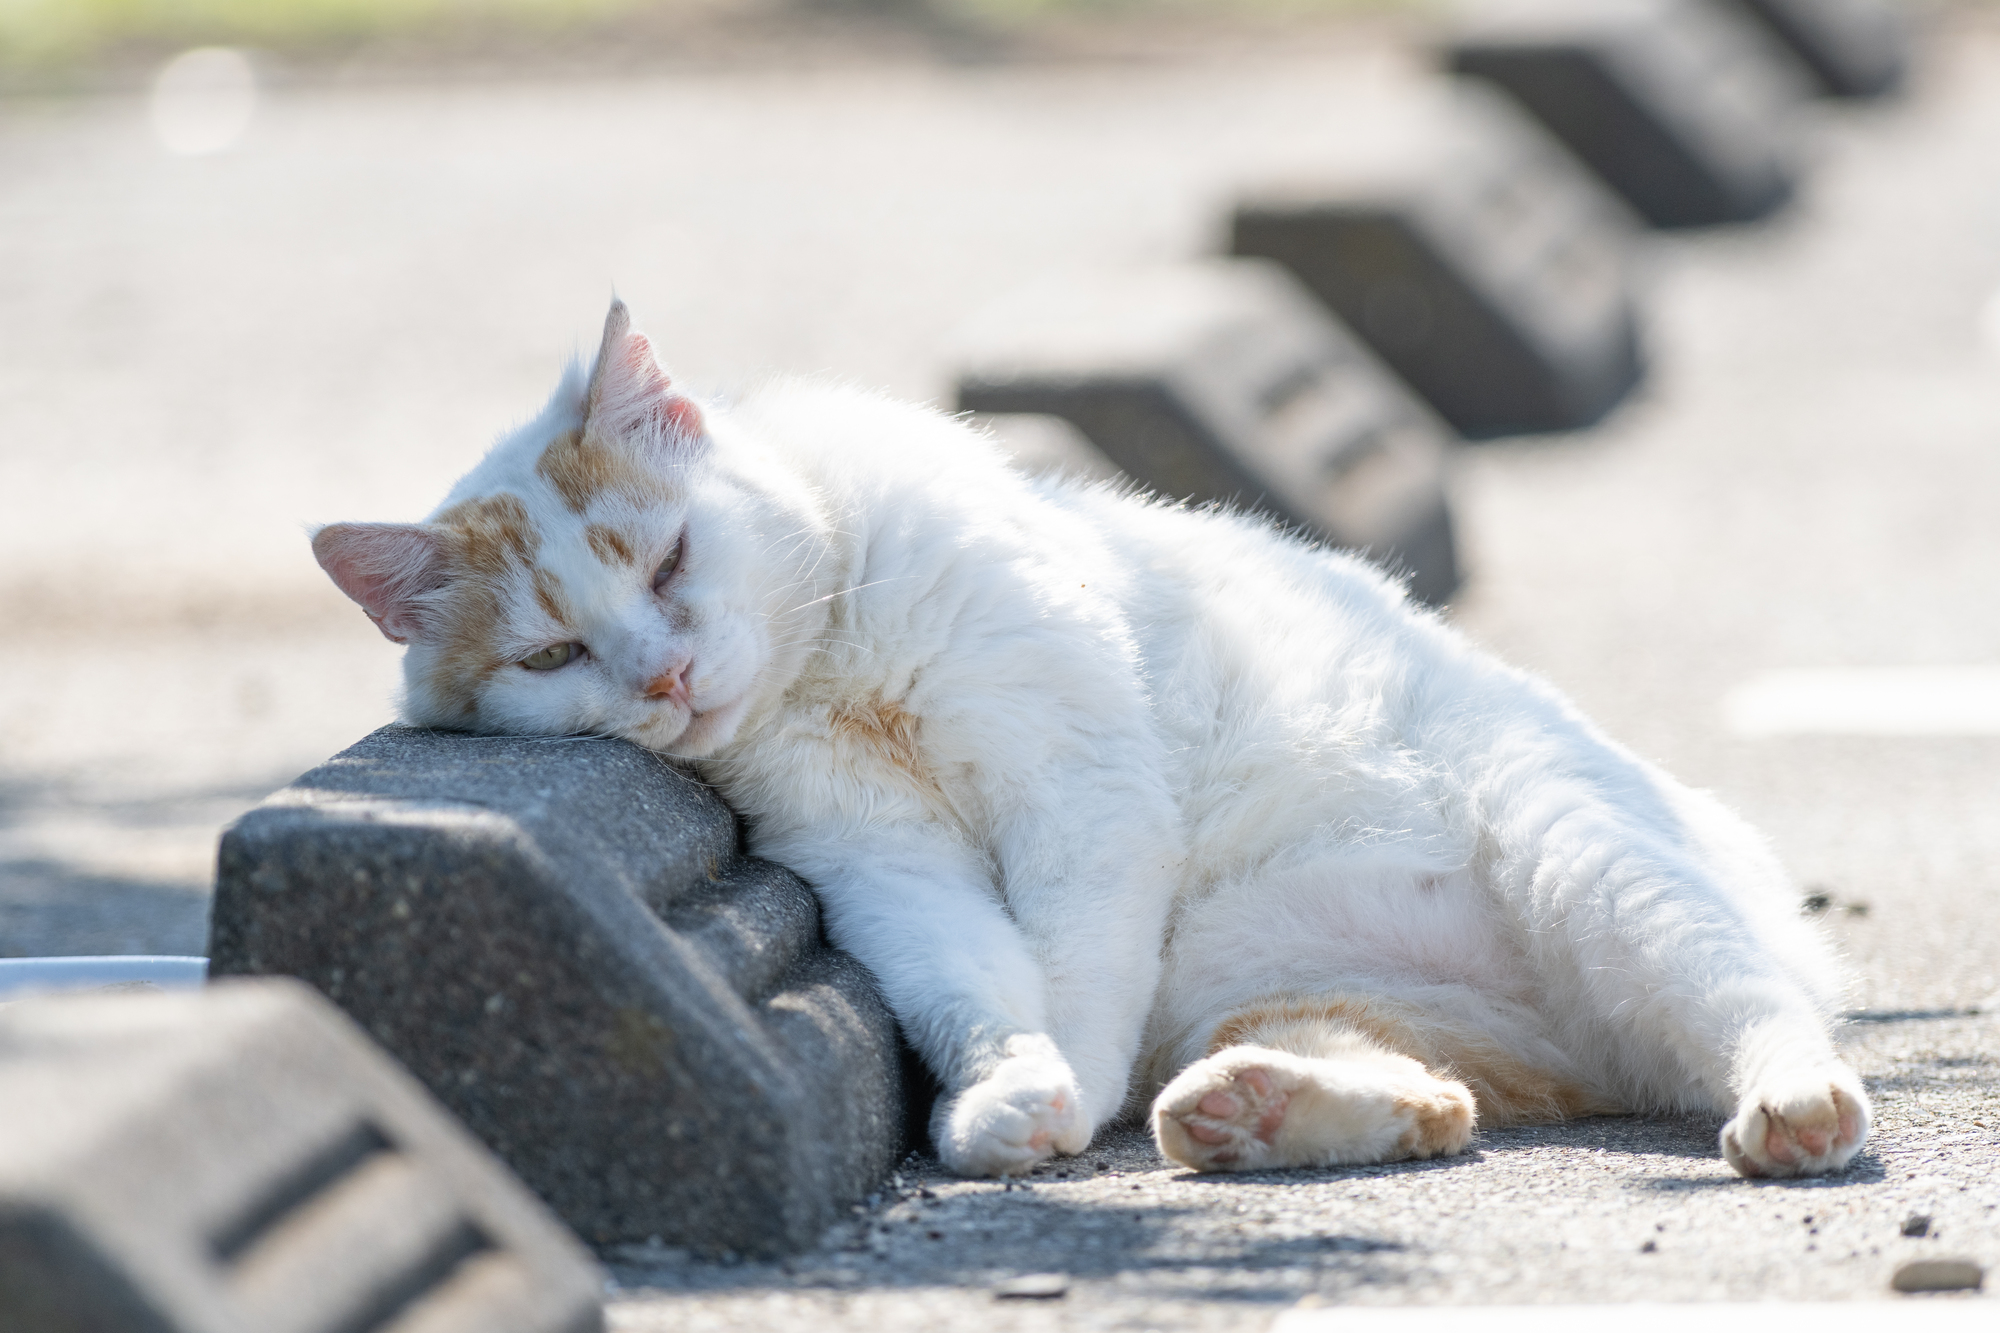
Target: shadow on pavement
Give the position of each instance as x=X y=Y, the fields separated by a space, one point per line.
x=1866 y=1169
x=48 y=908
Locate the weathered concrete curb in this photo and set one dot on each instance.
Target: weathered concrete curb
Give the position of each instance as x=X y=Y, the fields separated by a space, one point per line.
x=563 y=941
x=241 y=1160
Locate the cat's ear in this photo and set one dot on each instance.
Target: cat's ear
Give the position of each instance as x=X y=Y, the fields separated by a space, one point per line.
x=629 y=392
x=385 y=567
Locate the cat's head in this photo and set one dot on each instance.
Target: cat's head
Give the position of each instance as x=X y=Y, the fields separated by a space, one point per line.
x=613 y=567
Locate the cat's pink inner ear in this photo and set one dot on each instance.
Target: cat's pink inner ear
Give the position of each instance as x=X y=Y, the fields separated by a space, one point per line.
x=384 y=567
x=629 y=391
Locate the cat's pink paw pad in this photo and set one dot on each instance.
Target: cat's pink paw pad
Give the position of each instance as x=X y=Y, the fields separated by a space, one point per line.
x=1804 y=1125
x=1222 y=1113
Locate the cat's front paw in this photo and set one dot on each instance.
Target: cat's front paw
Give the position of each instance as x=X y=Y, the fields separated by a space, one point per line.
x=1800 y=1123
x=1017 y=1117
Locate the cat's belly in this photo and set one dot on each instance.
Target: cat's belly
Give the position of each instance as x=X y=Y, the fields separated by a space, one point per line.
x=1354 y=921
x=1372 y=915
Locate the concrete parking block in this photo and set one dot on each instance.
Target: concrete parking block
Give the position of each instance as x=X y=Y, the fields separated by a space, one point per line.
x=1224 y=380
x=1479 y=259
x=1683 y=107
x=1854 y=48
x=562 y=940
x=242 y=1160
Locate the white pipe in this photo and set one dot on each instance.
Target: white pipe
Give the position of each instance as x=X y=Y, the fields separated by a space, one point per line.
x=31 y=976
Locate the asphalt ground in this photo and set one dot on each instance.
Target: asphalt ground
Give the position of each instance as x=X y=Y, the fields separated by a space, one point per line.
x=202 y=355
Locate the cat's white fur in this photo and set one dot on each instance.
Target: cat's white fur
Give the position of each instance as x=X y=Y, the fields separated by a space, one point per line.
x=1084 y=778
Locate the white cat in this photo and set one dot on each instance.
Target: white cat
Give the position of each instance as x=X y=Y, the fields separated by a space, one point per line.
x=1100 y=786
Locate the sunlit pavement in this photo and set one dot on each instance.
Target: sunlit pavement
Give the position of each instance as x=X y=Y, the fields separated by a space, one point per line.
x=329 y=319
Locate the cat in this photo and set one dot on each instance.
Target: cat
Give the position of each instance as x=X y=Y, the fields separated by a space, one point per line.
x=1121 y=801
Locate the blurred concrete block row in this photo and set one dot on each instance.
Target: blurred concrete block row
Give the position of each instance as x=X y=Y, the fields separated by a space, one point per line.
x=240 y=1159
x=1481 y=243
x=1476 y=257
x=1225 y=379
x=563 y=942
x=1681 y=106
x=1854 y=48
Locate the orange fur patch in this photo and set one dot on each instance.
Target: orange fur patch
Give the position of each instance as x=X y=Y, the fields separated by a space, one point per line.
x=1507 y=1089
x=490 y=534
x=487 y=541
x=549 y=595
x=885 y=728
x=1441 y=1122
x=578 y=469
x=608 y=544
x=581 y=467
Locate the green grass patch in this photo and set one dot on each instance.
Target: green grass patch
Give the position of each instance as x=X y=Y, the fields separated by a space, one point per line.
x=51 y=34
x=42 y=32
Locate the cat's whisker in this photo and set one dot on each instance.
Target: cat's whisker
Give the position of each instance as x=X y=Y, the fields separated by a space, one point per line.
x=823 y=641
x=873 y=583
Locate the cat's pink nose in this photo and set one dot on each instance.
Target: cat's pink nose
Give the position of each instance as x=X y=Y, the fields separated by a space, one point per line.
x=669 y=684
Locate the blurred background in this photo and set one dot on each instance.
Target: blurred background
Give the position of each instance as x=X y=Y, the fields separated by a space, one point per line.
x=265 y=265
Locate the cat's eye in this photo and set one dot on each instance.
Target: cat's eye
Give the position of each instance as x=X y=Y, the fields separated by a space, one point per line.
x=668 y=566
x=549 y=659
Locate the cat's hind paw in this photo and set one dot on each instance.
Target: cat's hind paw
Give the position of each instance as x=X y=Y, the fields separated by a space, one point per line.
x=1017 y=1117
x=1223 y=1114
x=1799 y=1124
x=1248 y=1109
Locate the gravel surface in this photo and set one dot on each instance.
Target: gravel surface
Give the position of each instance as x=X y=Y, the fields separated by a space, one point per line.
x=202 y=355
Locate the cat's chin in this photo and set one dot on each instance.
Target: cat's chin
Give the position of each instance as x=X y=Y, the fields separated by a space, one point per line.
x=702 y=735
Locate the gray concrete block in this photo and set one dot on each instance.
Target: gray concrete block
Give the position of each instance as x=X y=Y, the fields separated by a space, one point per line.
x=1479 y=259
x=1225 y=380
x=1683 y=107
x=242 y=1160
x=563 y=941
x=1854 y=48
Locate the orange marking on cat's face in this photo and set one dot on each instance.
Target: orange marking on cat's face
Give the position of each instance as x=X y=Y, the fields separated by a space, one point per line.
x=549 y=596
x=608 y=544
x=581 y=467
x=488 y=540
x=578 y=469
x=1508 y=1090
x=490 y=535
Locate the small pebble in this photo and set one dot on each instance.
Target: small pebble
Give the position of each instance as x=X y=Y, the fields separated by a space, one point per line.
x=1939 y=1275
x=1032 y=1287
x=1650 y=1247
x=1917 y=1224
